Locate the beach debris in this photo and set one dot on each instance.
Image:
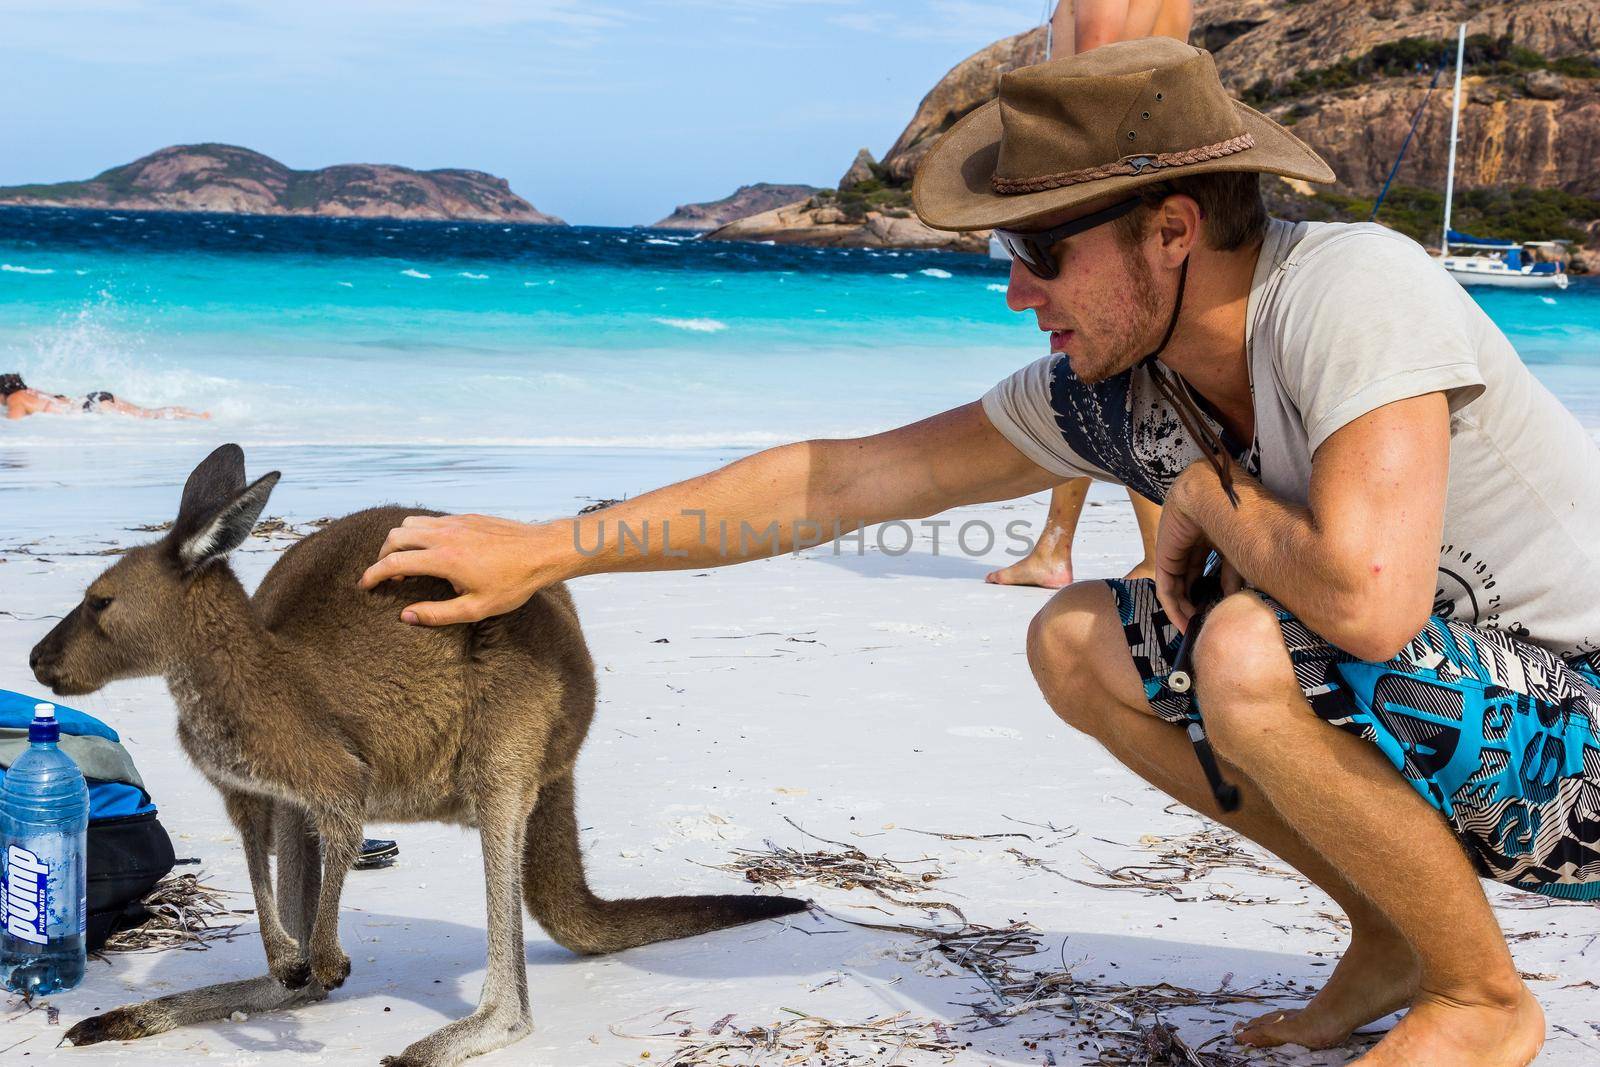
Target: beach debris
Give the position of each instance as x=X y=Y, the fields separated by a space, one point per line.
x=185 y=913
x=801 y=1038
x=1119 y=1024
x=598 y=504
x=1181 y=859
x=843 y=867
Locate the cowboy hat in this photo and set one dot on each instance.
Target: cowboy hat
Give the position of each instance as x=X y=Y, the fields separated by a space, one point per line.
x=1093 y=125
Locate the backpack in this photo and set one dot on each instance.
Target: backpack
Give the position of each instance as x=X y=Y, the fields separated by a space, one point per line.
x=128 y=850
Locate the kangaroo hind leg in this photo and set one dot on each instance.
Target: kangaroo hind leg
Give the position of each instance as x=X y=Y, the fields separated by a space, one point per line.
x=502 y=1015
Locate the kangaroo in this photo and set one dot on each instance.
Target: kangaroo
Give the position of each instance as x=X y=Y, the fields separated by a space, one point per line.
x=311 y=708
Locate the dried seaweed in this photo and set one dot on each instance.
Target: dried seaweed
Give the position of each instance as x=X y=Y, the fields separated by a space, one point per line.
x=805 y=1039
x=185 y=913
x=1181 y=859
x=845 y=868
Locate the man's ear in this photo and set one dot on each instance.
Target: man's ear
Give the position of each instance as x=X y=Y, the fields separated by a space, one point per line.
x=213 y=533
x=1179 y=224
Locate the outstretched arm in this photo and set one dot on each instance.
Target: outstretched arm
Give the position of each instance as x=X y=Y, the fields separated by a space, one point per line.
x=778 y=500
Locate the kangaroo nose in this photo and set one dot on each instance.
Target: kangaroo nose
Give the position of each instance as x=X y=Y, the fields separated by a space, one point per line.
x=43 y=669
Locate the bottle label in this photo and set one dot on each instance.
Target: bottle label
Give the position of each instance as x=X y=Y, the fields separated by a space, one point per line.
x=27 y=896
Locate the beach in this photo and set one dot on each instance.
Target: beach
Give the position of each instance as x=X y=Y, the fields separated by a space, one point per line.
x=872 y=697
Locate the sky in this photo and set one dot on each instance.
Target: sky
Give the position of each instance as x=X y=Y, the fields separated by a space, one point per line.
x=605 y=113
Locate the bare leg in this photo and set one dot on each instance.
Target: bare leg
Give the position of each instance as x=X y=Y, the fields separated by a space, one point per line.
x=1099 y=22
x=252 y=816
x=502 y=1015
x=1080 y=658
x=1175 y=19
x=1148 y=513
x=1049 y=565
x=1343 y=797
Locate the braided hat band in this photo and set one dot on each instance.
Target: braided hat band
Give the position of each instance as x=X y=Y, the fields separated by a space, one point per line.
x=1138 y=164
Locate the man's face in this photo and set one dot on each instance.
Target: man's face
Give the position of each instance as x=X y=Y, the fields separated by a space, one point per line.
x=1101 y=308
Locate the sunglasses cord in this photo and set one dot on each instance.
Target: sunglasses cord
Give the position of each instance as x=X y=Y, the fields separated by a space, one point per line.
x=1183 y=403
x=1208 y=589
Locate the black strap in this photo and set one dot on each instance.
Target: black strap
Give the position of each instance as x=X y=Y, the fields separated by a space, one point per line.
x=1194 y=421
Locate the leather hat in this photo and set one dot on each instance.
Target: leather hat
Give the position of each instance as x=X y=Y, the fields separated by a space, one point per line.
x=1094 y=125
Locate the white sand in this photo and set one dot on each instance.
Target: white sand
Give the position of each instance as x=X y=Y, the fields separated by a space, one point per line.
x=860 y=696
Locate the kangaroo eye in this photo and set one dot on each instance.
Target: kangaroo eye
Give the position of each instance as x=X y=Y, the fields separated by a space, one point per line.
x=97 y=604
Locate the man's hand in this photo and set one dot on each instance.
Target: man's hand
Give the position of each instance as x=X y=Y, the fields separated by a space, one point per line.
x=1181 y=551
x=493 y=564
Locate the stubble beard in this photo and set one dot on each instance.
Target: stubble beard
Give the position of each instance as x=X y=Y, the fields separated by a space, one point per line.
x=1142 y=322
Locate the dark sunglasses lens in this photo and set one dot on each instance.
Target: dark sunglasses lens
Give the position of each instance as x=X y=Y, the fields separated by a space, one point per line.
x=1029 y=254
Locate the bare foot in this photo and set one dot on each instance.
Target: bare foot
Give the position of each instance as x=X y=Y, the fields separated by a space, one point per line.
x=1441 y=1031
x=1377 y=976
x=1048 y=566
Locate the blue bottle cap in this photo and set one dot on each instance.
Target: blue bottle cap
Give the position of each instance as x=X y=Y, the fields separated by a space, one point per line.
x=44 y=726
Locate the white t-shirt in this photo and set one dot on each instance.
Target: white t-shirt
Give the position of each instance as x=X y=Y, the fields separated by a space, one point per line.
x=1343 y=319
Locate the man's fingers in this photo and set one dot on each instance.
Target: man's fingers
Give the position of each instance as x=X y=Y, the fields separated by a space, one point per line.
x=445 y=612
x=396 y=565
x=404 y=538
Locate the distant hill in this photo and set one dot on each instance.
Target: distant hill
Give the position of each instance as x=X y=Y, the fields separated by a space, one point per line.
x=743 y=202
x=226 y=178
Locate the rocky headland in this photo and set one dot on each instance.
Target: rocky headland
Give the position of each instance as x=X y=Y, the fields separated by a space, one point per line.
x=1347 y=76
x=743 y=202
x=226 y=178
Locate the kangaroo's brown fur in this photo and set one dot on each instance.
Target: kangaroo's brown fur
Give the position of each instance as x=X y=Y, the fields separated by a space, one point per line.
x=312 y=709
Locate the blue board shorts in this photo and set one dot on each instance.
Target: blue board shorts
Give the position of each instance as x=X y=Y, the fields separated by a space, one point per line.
x=1501 y=736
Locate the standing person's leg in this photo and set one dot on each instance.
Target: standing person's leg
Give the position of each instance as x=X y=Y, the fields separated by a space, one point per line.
x=1342 y=796
x=1078 y=649
x=1175 y=19
x=1148 y=512
x=1098 y=22
x=1049 y=564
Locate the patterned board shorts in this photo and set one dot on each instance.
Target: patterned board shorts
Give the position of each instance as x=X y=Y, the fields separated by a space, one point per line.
x=1503 y=737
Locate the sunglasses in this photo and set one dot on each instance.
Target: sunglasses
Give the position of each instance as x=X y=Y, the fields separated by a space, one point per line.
x=1032 y=248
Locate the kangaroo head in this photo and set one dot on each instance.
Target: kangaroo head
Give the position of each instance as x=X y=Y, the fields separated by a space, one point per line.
x=131 y=617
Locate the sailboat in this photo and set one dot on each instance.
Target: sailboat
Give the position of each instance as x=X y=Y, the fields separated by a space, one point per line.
x=1487 y=261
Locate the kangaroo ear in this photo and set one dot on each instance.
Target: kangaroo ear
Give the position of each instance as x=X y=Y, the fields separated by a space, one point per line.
x=218 y=479
x=212 y=535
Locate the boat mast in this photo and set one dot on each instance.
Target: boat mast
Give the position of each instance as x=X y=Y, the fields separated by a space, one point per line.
x=1455 y=118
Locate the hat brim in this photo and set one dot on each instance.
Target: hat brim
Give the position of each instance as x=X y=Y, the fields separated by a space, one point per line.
x=952 y=189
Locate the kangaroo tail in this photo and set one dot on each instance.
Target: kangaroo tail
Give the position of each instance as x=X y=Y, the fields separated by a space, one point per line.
x=558 y=895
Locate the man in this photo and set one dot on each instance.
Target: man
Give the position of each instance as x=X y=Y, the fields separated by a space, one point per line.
x=1327 y=410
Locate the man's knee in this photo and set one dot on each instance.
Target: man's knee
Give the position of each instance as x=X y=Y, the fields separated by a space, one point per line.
x=1242 y=670
x=1063 y=645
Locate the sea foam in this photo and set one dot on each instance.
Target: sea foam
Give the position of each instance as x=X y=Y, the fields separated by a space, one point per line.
x=474 y=277
x=697 y=325
x=10 y=268
x=934 y=272
x=410 y=272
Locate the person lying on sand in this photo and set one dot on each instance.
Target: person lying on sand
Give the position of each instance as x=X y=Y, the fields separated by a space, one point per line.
x=21 y=401
x=1318 y=403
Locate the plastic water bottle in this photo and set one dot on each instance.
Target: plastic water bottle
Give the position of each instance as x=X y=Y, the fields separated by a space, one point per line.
x=44 y=825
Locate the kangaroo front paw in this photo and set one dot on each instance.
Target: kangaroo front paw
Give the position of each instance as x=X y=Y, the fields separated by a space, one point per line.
x=331 y=968
x=293 y=971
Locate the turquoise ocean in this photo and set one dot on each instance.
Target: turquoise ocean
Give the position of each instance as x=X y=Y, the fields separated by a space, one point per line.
x=514 y=369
